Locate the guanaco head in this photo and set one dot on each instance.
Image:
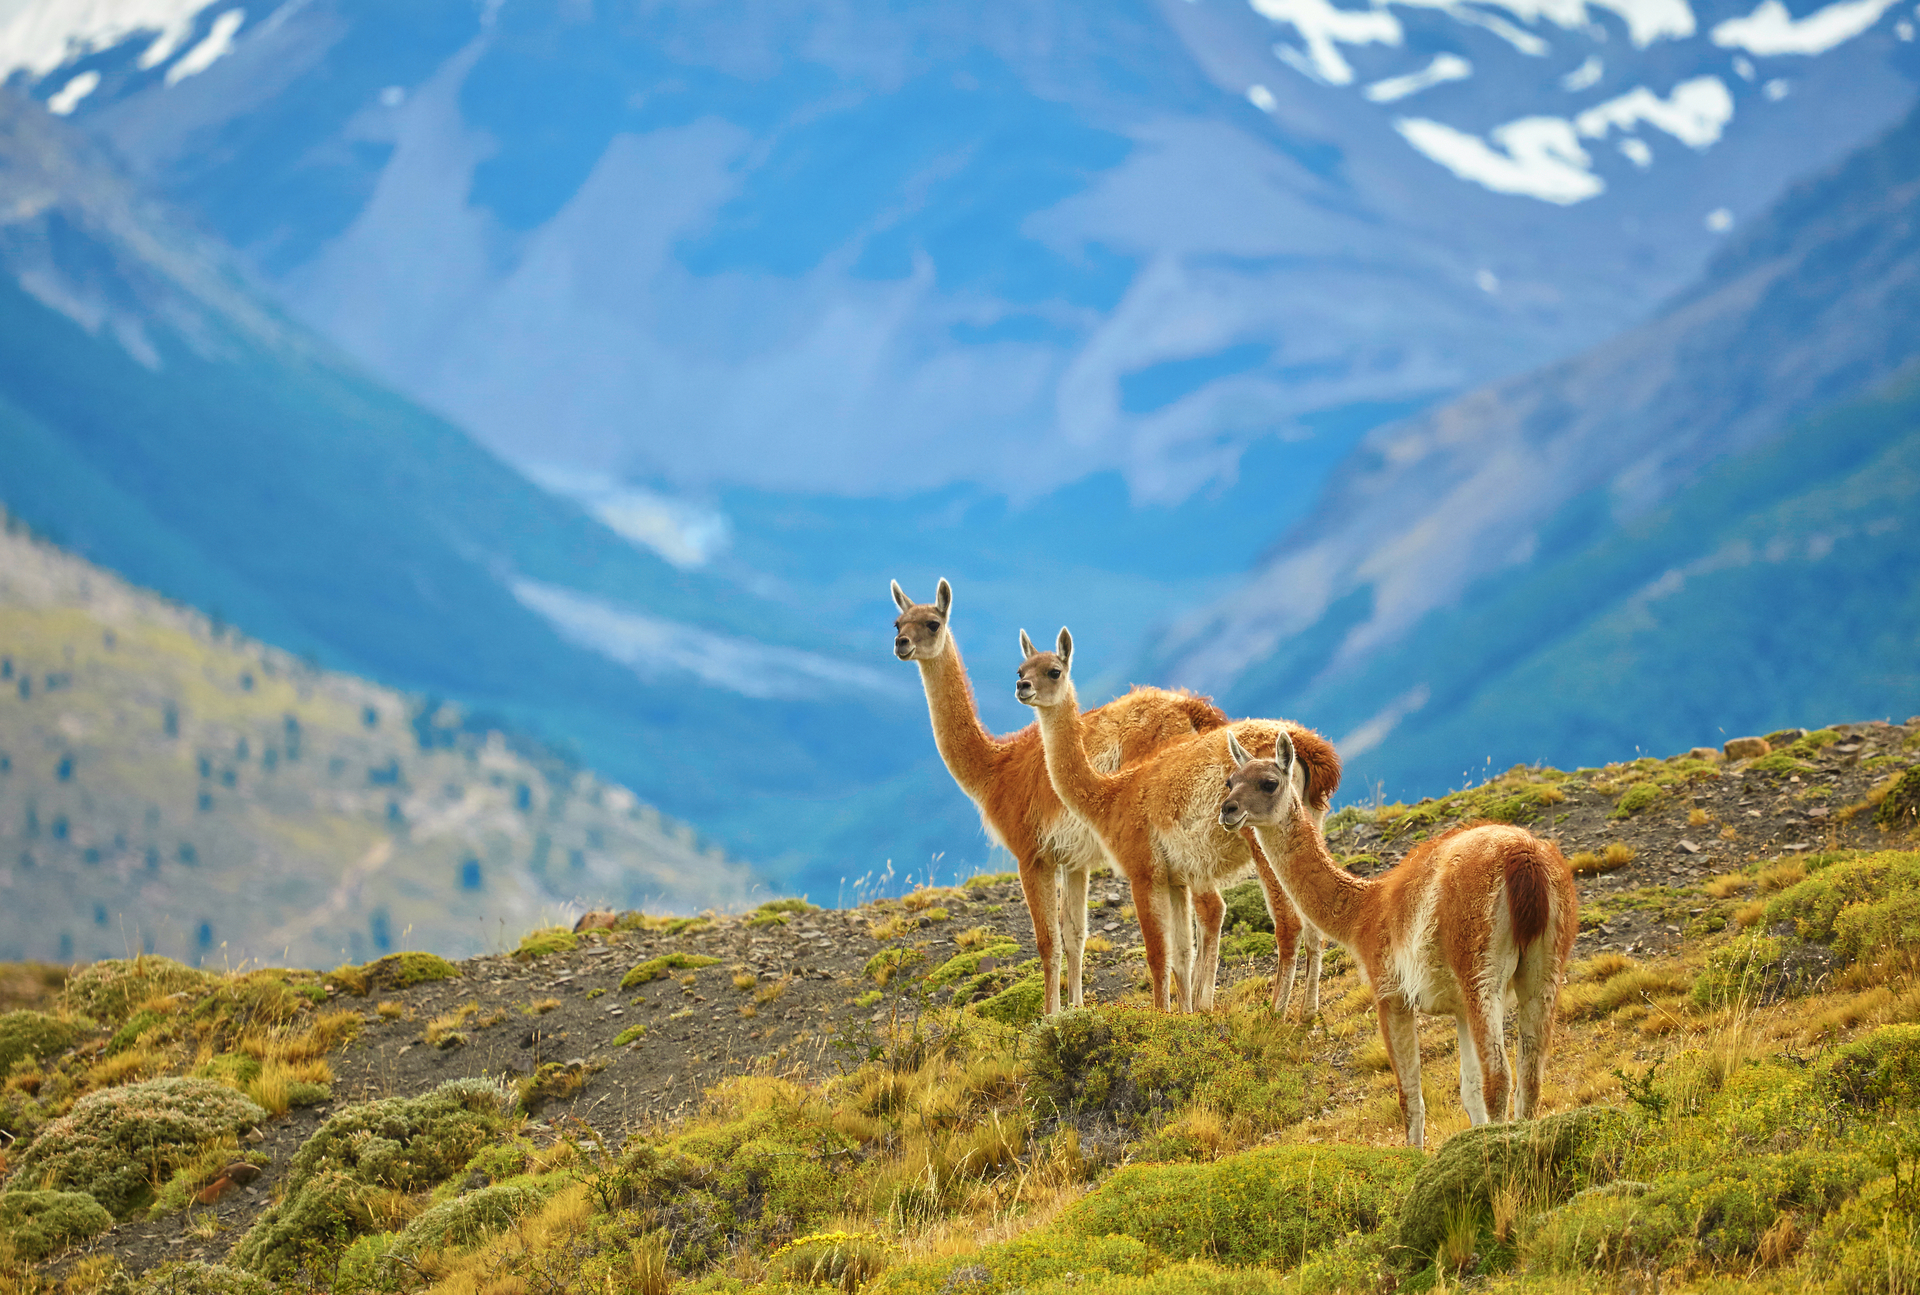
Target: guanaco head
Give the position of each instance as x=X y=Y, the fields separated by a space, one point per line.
x=1043 y=679
x=1259 y=791
x=920 y=630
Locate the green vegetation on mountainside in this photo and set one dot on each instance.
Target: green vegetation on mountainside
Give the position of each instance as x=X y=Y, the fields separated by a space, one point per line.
x=168 y=785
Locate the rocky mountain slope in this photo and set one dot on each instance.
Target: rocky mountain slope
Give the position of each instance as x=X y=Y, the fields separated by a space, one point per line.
x=792 y=1097
x=1506 y=574
x=170 y=785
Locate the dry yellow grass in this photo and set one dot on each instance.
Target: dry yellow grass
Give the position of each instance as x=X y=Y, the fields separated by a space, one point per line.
x=1788 y=872
x=1099 y=944
x=972 y=938
x=893 y=926
x=1588 y=863
x=767 y=993
x=390 y=1011
x=1727 y=885
x=1699 y=818
x=744 y=980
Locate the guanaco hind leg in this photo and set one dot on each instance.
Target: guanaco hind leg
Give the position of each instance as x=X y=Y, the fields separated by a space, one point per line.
x=1209 y=909
x=1402 y=1037
x=1180 y=940
x=1151 y=909
x=1483 y=1059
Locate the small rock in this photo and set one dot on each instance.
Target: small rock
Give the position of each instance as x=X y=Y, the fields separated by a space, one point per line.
x=1780 y=737
x=241 y=1172
x=1689 y=846
x=599 y=920
x=1746 y=748
x=1818 y=811
x=1704 y=753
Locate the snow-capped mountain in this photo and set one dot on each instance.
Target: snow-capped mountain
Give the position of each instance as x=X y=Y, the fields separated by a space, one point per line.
x=834 y=248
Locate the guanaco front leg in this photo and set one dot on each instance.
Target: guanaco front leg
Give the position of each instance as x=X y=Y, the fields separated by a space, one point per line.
x=1039 y=881
x=1073 y=911
x=1150 y=909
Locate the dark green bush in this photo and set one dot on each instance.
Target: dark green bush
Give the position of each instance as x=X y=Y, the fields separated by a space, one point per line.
x=39 y=1223
x=113 y=1145
x=109 y=990
x=1541 y=1161
x=35 y=1036
x=196 y=1278
x=1879 y=1069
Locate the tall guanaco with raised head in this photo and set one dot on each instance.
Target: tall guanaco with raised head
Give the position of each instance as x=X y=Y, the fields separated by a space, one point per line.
x=1158 y=821
x=1471 y=923
x=1006 y=778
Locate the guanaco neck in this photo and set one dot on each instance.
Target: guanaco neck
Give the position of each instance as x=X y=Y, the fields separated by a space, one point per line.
x=1079 y=785
x=1326 y=894
x=964 y=743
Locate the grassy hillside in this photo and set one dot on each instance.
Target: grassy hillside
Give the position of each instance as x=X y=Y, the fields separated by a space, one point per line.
x=170 y=785
x=863 y=1100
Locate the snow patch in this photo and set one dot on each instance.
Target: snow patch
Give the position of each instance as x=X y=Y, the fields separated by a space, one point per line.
x=40 y=36
x=1584 y=77
x=1770 y=29
x=1535 y=157
x=68 y=97
x=1324 y=28
x=658 y=649
x=1695 y=114
x=684 y=533
x=1444 y=68
x=217 y=43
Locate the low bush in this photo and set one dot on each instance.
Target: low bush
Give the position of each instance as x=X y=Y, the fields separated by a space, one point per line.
x=1882 y=1069
x=662 y=967
x=1270 y=1207
x=469 y=1219
x=118 y=1145
x=196 y=1278
x=1720 y=1217
x=847 y=1260
x=1130 y=1067
x=396 y=1144
x=1484 y=1177
x=546 y=941
x=395 y=971
x=36 y=1224
x=1028 y=1264
x=109 y=990
x=35 y=1036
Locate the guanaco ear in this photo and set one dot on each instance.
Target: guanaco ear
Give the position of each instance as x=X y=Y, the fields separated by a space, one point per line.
x=900 y=598
x=1238 y=752
x=1283 y=752
x=1064 y=646
x=943 y=596
x=1026 y=646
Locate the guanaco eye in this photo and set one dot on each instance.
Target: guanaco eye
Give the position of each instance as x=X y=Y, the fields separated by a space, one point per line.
x=1053 y=674
x=933 y=625
x=1269 y=785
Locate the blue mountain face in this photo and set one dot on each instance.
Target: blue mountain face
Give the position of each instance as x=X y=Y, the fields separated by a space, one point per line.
x=872 y=253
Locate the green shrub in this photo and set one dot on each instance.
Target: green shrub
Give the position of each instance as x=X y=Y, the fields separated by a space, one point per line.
x=1900 y=810
x=1746 y=967
x=196 y=1278
x=110 y=989
x=1713 y=1215
x=468 y=1220
x=1269 y=1207
x=1879 y=1069
x=964 y=966
x=786 y=906
x=660 y=968
x=1247 y=903
x=395 y=971
x=1864 y=906
x=114 y=1145
x=1020 y=1003
x=1540 y=1161
x=1637 y=797
x=39 y=1223
x=1029 y=1263
x=398 y=1144
x=547 y=940
x=1131 y=1066
x=35 y=1036
x=848 y=1260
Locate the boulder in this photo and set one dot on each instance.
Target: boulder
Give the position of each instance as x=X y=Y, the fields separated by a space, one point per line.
x=599 y=920
x=1746 y=748
x=1704 y=753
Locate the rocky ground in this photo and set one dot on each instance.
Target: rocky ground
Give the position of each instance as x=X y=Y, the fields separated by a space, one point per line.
x=795 y=992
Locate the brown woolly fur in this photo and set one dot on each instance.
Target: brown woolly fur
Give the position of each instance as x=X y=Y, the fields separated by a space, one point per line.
x=1155 y=818
x=1006 y=777
x=1433 y=935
